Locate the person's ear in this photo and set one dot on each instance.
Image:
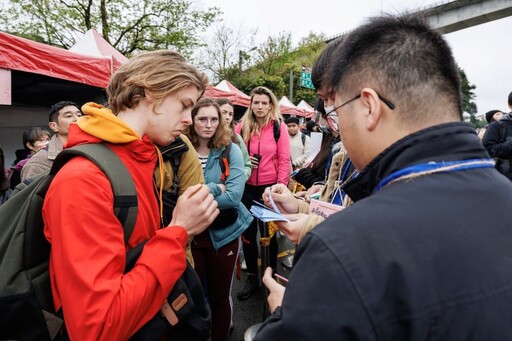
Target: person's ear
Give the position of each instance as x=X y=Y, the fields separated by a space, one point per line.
x=53 y=126
x=30 y=146
x=149 y=97
x=373 y=105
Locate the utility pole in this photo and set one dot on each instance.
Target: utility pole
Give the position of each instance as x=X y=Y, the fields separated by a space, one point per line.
x=290 y=86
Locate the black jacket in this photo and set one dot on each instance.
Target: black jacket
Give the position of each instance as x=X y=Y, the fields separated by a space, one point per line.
x=423 y=259
x=498 y=142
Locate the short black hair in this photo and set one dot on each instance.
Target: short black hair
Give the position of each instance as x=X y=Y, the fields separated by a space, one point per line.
x=292 y=120
x=54 y=109
x=510 y=99
x=404 y=60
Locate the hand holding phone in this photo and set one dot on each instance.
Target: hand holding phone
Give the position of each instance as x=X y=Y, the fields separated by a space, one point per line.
x=255 y=160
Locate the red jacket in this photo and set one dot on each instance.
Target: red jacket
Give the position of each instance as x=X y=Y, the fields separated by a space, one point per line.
x=275 y=163
x=87 y=247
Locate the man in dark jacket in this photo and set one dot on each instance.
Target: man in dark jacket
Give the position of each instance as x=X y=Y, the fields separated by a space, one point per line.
x=498 y=141
x=425 y=251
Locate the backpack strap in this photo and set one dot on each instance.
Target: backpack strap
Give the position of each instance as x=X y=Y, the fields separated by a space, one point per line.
x=277 y=130
x=173 y=153
x=123 y=187
x=277 y=133
x=224 y=162
x=303 y=138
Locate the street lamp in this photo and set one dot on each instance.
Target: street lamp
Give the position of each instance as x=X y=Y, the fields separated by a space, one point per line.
x=241 y=56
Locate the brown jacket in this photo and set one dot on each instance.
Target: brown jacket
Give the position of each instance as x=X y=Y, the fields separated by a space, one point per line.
x=334 y=173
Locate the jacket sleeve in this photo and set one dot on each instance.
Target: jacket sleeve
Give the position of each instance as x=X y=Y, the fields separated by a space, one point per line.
x=320 y=302
x=235 y=182
x=496 y=147
x=307 y=177
x=302 y=159
x=190 y=172
x=34 y=167
x=283 y=155
x=245 y=155
x=88 y=256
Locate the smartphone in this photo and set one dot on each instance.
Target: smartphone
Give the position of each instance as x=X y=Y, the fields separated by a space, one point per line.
x=258 y=156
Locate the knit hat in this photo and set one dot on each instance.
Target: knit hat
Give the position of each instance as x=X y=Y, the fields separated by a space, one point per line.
x=292 y=120
x=490 y=114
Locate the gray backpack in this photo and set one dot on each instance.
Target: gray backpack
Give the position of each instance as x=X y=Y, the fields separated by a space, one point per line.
x=26 y=304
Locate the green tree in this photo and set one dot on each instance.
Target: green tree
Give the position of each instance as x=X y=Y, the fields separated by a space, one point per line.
x=276 y=59
x=468 y=96
x=220 y=57
x=127 y=25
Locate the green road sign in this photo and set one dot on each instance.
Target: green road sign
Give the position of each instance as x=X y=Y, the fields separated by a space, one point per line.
x=305 y=80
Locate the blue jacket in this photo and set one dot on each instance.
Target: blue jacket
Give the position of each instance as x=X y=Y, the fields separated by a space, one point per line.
x=232 y=197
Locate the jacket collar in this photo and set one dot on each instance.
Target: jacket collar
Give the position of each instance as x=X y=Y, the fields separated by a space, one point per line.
x=444 y=142
x=54 y=147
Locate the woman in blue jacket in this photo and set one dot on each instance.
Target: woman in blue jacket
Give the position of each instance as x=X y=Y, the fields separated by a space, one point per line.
x=215 y=250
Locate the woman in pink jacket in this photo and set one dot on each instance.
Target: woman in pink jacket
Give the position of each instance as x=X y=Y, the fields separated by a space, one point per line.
x=266 y=138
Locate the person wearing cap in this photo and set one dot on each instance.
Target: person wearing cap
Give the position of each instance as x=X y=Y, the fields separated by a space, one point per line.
x=498 y=139
x=299 y=143
x=493 y=116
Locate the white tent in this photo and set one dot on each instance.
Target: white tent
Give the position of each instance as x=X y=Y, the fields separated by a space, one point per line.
x=93 y=44
x=305 y=106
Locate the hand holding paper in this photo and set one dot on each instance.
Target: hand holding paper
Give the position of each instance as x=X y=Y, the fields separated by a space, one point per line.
x=283 y=199
x=265 y=214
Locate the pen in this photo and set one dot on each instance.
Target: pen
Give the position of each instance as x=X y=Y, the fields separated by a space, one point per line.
x=281 y=278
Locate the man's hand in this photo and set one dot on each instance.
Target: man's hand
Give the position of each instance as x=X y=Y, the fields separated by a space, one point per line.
x=293 y=228
x=275 y=297
x=195 y=210
x=283 y=198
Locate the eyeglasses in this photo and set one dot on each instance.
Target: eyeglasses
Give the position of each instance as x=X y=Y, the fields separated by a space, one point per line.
x=203 y=121
x=332 y=116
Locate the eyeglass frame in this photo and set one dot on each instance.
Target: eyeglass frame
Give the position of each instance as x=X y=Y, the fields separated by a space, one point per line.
x=332 y=116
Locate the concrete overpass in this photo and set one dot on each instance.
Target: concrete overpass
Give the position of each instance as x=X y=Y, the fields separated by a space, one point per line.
x=451 y=16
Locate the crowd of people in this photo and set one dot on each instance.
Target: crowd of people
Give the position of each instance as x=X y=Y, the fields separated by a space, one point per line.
x=411 y=254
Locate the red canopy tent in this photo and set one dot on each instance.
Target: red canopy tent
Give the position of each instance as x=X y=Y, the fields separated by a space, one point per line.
x=33 y=76
x=214 y=93
x=239 y=99
x=288 y=108
x=29 y=56
x=93 y=44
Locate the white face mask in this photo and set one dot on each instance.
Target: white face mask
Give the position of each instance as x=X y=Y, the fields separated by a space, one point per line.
x=328 y=108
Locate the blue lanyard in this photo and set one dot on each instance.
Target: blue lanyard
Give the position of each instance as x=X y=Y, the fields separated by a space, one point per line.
x=434 y=167
x=339 y=194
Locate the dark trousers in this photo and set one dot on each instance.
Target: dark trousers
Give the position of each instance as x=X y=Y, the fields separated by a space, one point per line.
x=215 y=268
x=250 y=244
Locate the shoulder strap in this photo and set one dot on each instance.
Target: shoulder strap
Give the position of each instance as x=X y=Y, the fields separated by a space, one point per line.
x=277 y=130
x=224 y=162
x=123 y=187
x=303 y=138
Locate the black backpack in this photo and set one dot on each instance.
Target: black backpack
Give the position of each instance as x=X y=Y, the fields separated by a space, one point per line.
x=26 y=304
x=173 y=153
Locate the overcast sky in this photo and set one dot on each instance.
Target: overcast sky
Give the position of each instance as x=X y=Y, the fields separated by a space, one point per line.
x=483 y=51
